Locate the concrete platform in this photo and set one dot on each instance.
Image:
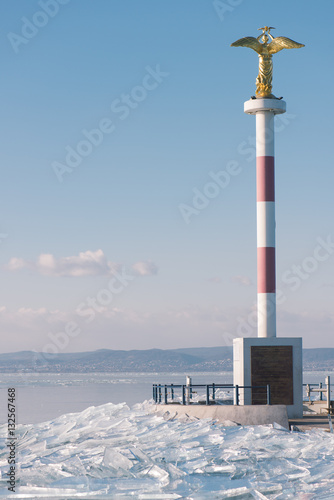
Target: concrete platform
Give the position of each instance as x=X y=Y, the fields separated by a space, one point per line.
x=309 y=422
x=243 y=415
x=320 y=407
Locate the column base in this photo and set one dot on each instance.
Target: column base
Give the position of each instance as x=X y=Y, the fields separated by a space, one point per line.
x=273 y=361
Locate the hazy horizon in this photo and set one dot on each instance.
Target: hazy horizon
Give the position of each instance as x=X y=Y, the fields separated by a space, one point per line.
x=136 y=349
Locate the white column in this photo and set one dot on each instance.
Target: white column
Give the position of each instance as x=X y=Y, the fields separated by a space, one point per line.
x=265 y=110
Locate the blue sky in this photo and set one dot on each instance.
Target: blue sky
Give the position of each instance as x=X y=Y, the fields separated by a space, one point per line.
x=162 y=82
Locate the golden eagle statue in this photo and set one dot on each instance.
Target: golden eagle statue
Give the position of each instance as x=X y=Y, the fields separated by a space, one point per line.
x=265 y=51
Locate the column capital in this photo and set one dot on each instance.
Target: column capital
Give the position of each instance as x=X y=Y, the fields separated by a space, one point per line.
x=253 y=106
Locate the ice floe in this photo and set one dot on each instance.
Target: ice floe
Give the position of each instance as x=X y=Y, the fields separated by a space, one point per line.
x=112 y=451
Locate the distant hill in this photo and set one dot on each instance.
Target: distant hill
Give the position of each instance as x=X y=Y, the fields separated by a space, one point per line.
x=105 y=360
x=318 y=359
x=193 y=359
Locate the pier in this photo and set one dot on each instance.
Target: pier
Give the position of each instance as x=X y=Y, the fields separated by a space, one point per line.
x=221 y=402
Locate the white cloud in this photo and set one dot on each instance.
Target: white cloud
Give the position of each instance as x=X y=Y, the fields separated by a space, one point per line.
x=89 y=263
x=14 y=264
x=242 y=280
x=145 y=268
x=125 y=328
x=28 y=311
x=215 y=280
x=327 y=285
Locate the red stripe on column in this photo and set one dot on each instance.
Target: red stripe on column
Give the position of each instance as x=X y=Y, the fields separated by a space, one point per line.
x=265 y=178
x=266 y=270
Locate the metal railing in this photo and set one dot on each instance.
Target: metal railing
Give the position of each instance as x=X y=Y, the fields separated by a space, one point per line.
x=315 y=388
x=169 y=393
x=320 y=389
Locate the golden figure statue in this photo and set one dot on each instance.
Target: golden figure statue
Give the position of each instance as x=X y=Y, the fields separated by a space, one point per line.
x=265 y=51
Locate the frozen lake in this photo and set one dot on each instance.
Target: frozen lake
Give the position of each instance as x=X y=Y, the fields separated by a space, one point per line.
x=114 y=452
x=78 y=439
x=42 y=397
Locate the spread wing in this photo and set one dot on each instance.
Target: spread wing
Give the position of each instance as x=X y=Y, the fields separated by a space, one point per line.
x=281 y=42
x=248 y=41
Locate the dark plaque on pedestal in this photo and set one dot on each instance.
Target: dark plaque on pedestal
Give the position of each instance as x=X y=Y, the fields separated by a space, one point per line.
x=272 y=365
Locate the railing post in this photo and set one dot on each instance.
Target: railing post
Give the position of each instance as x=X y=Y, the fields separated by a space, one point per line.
x=236 y=395
x=213 y=392
x=328 y=382
x=268 y=395
x=159 y=393
x=207 y=394
x=155 y=393
x=188 y=381
x=308 y=392
x=172 y=391
x=320 y=387
x=183 y=395
x=166 y=401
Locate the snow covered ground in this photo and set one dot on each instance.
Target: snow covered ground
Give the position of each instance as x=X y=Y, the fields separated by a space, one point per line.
x=112 y=451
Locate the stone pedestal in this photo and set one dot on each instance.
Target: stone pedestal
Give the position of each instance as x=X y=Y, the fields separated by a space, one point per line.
x=274 y=361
